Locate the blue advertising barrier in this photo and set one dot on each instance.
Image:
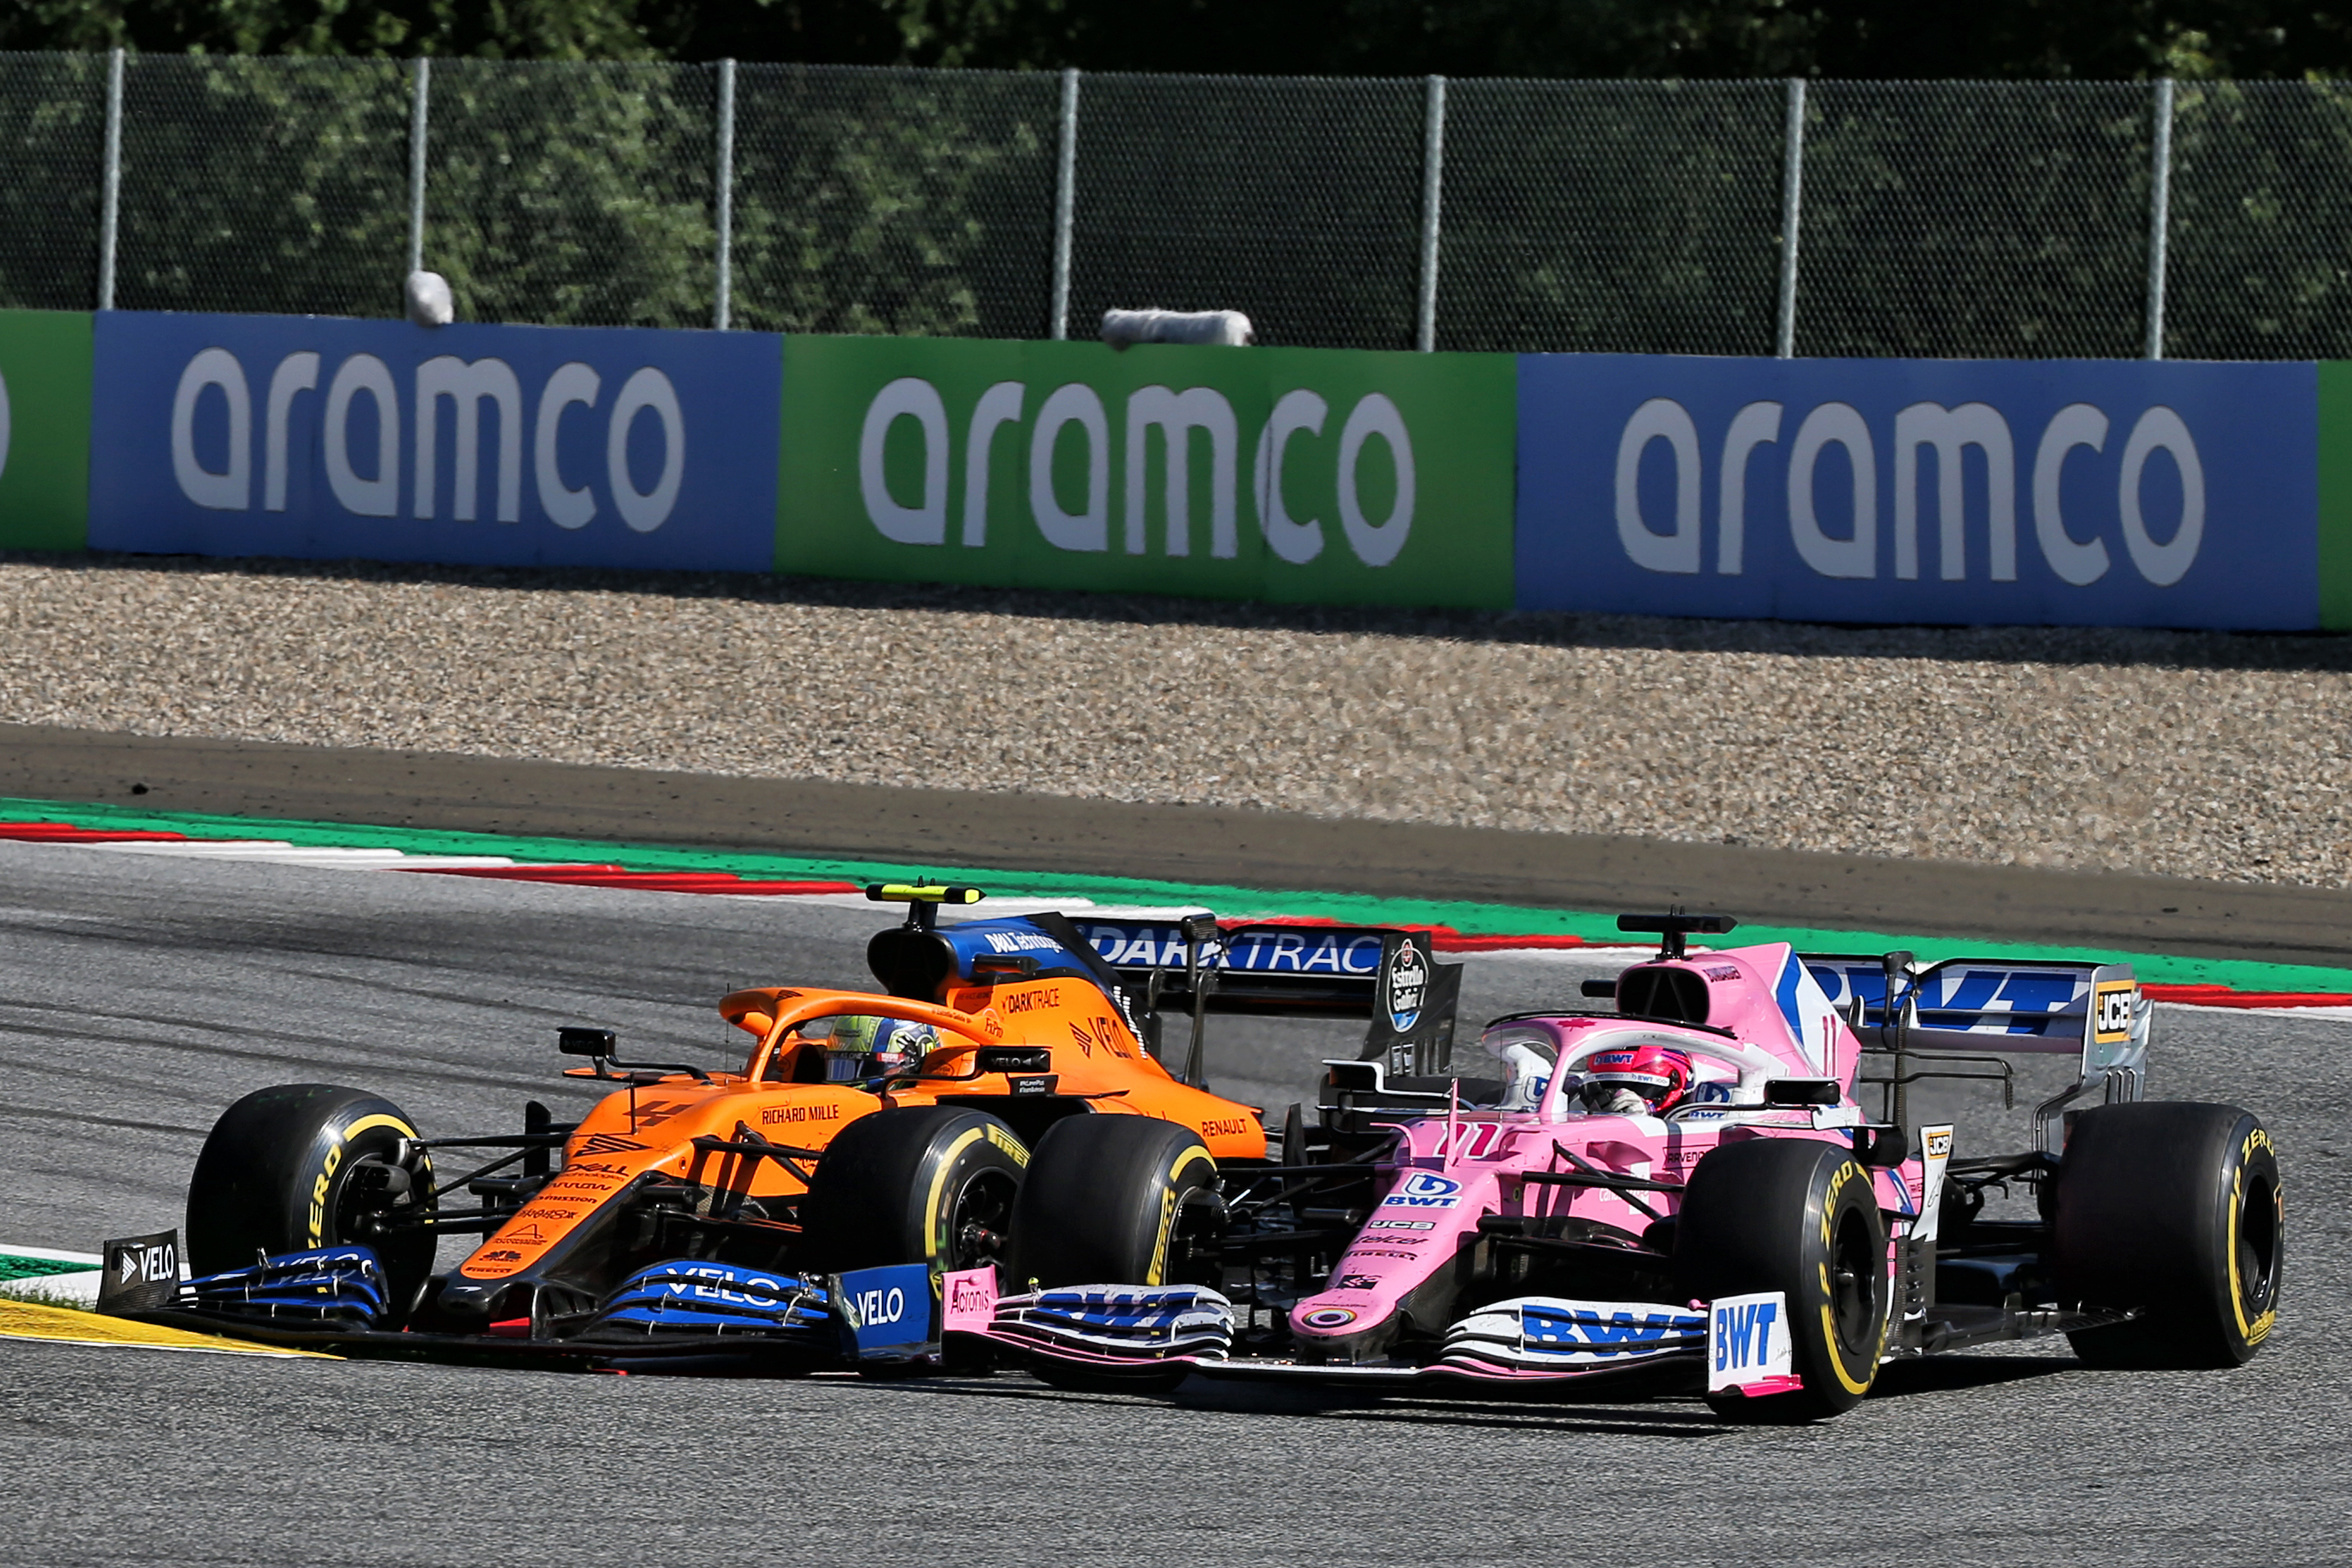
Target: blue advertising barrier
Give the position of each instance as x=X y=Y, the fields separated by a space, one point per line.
x=2015 y=493
x=322 y=437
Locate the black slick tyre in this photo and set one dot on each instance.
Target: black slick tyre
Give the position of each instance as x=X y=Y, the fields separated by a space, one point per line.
x=280 y=1173
x=1113 y=1200
x=2174 y=1209
x=921 y=1183
x=1799 y=1217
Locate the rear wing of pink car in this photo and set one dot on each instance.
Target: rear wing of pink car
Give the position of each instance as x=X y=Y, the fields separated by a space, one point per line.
x=1983 y=1007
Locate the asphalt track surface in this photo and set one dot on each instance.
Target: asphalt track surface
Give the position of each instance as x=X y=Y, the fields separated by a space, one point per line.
x=140 y=995
x=967 y=829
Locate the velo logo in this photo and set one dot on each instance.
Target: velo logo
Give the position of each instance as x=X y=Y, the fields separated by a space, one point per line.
x=876 y=1307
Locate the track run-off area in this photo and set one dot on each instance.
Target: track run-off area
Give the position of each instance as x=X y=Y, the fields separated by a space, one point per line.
x=143 y=993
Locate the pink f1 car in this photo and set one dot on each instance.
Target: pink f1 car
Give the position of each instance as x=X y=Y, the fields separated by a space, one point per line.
x=1687 y=1189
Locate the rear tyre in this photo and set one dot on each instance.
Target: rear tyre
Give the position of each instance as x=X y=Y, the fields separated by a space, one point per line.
x=921 y=1183
x=2176 y=1209
x=280 y=1173
x=1799 y=1216
x=1114 y=1200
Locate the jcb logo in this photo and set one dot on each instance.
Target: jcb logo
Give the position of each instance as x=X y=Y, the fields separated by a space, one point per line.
x=2112 y=1013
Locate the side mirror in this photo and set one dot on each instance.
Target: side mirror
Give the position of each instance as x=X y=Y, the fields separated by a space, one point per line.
x=578 y=1042
x=1800 y=1092
x=1883 y=1147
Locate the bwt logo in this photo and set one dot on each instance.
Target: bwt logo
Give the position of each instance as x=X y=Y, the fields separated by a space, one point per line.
x=1743 y=1335
x=365 y=481
x=1948 y=432
x=1176 y=415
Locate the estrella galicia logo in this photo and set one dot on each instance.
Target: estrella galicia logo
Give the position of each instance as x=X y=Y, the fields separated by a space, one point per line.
x=1408 y=986
x=1424 y=1191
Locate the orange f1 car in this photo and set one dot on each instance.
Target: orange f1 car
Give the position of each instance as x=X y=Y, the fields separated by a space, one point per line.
x=801 y=1212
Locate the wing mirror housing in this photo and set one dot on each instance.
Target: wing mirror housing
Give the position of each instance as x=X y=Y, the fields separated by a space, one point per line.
x=604 y=1046
x=579 y=1042
x=1800 y=1092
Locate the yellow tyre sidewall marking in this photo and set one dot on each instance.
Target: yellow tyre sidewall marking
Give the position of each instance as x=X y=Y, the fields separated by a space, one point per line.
x=2257 y=1331
x=936 y=1206
x=1838 y=1184
x=1158 y=1273
x=333 y=1162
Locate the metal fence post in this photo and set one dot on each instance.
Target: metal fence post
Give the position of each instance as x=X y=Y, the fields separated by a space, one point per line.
x=109 y=199
x=2159 y=214
x=1432 y=182
x=416 y=118
x=1065 y=180
x=726 y=192
x=1793 y=208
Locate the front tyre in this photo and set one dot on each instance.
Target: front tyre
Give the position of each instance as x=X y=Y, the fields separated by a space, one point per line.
x=921 y=1183
x=282 y=1171
x=1115 y=1200
x=2175 y=1209
x=1799 y=1216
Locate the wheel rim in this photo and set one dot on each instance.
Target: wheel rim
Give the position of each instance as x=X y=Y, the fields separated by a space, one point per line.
x=983 y=1210
x=1852 y=1269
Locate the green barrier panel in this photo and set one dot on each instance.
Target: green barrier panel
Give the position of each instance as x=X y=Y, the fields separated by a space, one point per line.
x=2336 y=495
x=1306 y=476
x=44 y=391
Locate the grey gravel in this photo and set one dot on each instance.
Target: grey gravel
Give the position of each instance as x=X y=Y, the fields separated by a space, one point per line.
x=2188 y=754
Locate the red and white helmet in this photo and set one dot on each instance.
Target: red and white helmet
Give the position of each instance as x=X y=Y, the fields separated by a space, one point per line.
x=1641 y=1081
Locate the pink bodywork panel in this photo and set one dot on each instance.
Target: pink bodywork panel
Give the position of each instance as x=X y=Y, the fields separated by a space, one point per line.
x=1451 y=1172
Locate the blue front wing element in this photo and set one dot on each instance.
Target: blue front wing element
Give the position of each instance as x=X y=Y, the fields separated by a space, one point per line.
x=330 y=1284
x=1536 y=1333
x=686 y=1297
x=1138 y=1322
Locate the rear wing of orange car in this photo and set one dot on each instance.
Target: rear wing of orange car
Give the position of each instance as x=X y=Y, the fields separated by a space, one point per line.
x=1198 y=965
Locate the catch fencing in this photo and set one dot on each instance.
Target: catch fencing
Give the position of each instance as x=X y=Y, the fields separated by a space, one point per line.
x=2201 y=220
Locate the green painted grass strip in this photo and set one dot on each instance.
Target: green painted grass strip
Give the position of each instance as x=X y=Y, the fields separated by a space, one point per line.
x=1473 y=919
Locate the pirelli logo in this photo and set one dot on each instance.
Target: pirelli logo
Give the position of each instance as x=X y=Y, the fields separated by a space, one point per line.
x=2111 y=1011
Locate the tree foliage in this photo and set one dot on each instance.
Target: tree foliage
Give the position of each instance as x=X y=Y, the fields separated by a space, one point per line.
x=1837 y=38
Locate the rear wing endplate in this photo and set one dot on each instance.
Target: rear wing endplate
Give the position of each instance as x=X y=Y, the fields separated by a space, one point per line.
x=2004 y=1006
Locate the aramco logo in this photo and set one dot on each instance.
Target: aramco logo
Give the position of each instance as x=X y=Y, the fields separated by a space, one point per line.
x=361 y=424
x=1670 y=540
x=1081 y=519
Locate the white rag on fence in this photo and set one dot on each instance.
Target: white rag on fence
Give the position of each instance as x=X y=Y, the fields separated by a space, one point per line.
x=429 y=301
x=1224 y=328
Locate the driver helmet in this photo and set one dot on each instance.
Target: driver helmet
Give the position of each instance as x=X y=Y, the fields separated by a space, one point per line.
x=1640 y=1081
x=867 y=1047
